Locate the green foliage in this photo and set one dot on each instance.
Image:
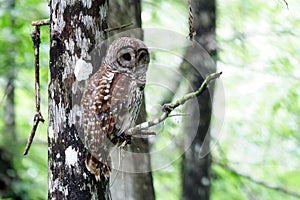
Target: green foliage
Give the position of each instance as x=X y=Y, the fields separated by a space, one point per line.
x=167 y=181
x=258 y=52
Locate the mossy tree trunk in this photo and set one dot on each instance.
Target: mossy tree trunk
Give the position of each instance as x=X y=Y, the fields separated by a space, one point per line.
x=76 y=31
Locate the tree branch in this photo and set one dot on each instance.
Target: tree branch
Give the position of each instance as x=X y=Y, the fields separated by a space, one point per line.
x=35 y=36
x=259 y=182
x=168 y=108
x=43 y=22
x=286 y=3
x=118 y=28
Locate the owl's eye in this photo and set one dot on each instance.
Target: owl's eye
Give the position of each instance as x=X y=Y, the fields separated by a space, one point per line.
x=142 y=56
x=127 y=56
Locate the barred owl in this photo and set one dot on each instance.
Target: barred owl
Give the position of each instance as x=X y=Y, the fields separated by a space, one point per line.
x=111 y=101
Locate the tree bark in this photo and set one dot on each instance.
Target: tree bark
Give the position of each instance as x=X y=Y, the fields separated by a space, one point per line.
x=76 y=31
x=133 y=178
x=196 y=164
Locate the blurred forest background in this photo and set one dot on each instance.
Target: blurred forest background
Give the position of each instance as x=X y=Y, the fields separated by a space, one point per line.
x=256 y=153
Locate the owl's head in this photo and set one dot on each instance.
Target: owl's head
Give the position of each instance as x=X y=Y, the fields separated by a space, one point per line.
x=129 y=56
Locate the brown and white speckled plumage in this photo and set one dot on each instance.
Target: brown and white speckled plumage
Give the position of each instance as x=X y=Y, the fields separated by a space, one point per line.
x=111 y=101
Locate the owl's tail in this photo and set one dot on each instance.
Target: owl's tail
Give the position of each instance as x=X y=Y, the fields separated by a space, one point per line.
x=96 y=167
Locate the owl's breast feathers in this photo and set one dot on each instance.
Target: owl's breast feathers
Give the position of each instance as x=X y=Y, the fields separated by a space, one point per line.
x=116 y=101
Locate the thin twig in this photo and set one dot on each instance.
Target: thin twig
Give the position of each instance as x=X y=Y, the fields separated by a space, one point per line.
x=118 y=28
x=191 y=19
x=286 y=3
x=144 y=133
x=35 y=36
x=259 y=182
x=168 y=108
x=43 y=22
x=180 y=115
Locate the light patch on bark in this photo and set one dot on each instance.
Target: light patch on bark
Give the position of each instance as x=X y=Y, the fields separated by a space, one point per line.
x=71 y=156
x=59 y=22
x=75 y=116
x=83 y=42
x=83 y=70
x=69 y=45
x=66 y=192
x=85 y=48
x=50 y=132
x=87 y=3
x=87 y=20
x=51 y=92
x=103 y=12
x=55 y=185
x=59 y=111
x=69 y=63
x=58 y=122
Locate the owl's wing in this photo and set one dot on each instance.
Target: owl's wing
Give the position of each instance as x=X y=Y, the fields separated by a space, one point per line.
x=95 y=130
x=125 y=102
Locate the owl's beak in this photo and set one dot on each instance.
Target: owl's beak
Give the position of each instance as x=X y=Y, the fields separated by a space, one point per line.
x=134 y=67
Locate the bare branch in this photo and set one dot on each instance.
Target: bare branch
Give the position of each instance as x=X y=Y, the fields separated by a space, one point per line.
x=259 y=182
x=168 y=108
x=118 y=28
x=286 y=3
x=35 y=36
x=43 y=22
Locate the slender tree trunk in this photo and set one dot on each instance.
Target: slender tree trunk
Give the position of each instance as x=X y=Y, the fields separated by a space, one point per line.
x=133 y=178
x=76 y=30
x=7 y=180
x=10 y=116
x=196 y=164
